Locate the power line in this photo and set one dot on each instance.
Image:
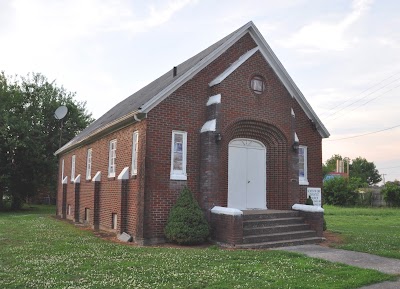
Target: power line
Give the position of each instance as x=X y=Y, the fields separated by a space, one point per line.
x=364 y=91
x=330 y=115
x=367 y=101
x=389 y=168
x=360 y=135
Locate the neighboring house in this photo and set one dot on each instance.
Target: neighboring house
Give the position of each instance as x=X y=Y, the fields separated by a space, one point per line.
x=229 y=123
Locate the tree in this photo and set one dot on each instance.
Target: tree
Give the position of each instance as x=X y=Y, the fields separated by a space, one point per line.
x=186 y=222
x=330 y=164
x=391 y=193
x=341 y=191
x=29 y=134
x=366 y=171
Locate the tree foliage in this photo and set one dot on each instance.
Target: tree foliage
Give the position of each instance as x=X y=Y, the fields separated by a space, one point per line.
x=359 y=168
x=330 y=164
x=186 y=222
x=391 y=193
x=365 y=170
x=341 y=191
x=29 y=134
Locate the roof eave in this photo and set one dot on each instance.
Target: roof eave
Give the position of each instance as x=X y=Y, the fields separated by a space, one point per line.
x=116 y=124
x=194 y=70
x=284 y=76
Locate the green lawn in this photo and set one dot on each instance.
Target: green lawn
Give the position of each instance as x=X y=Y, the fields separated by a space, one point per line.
x=38 y=251
x=370 y=230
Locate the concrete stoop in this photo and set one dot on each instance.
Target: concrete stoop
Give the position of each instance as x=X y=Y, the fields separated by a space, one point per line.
x=275 y=229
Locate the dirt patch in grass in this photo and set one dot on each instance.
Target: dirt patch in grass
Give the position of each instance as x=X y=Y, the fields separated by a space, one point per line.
x=332 y=239
x=112 y=237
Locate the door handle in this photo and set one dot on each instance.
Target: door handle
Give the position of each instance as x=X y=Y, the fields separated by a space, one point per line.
x=248 y=182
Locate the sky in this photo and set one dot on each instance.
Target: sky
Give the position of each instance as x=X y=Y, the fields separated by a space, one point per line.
x=343 y=55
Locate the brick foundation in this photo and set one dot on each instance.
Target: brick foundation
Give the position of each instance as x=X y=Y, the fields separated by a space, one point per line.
x=227 y=229
x=315 y=220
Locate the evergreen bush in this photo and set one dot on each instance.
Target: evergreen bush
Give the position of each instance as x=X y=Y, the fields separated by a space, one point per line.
x=186 y=223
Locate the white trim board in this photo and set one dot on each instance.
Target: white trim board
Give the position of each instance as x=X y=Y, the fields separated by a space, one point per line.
x=242 y=59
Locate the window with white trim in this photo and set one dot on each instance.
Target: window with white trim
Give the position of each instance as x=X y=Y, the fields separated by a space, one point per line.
x=89 y=164
x=73 y=168
x=135 y=146
x=87 y=214
x=303 y=165
x=114 y=221
x=62 y=170
x=257 y=84
x=178 y=155
x=112 y=156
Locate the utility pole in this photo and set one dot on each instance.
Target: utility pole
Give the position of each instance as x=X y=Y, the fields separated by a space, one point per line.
x=383 y=177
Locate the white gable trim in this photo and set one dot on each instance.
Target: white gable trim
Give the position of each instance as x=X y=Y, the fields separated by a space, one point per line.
x=268 y=54
x=209 y=125
x=285 y=78
x=214 y=99
x=233 y=67
x=194 y=70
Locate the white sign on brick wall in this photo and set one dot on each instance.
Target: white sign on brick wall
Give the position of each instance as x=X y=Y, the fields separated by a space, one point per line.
x=315 y=194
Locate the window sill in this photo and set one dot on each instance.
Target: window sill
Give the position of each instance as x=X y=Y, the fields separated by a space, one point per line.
x=303 y=183
x=179 y=177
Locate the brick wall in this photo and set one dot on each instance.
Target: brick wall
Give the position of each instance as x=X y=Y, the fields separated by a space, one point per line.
x=110 y=188
x=227 y=229
x=315 y=220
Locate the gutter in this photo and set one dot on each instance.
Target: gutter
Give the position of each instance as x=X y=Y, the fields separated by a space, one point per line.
x=119 y=123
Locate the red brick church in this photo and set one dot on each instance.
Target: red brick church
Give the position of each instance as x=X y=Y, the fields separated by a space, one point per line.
x=229 y=123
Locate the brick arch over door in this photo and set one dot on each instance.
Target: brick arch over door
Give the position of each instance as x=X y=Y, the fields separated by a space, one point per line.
x=277 y=159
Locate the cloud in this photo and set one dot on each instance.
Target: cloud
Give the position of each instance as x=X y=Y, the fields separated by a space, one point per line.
x=320 y=35
x=156 y=17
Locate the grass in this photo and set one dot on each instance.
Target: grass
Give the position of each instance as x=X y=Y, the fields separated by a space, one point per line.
x=38 y=251
x=370 y=230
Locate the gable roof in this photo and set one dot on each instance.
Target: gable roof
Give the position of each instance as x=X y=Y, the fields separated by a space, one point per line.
x=152 y=94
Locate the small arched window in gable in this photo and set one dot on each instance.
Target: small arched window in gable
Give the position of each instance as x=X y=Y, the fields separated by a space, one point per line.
x=257 y=84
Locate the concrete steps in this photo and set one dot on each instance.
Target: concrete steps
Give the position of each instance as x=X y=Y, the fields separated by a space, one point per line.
x=275 y=229
x=277 y=244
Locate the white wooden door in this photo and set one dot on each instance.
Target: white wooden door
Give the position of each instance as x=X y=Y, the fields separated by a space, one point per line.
x=246 y=174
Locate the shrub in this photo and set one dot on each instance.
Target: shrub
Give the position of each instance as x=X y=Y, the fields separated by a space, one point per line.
x=341 y=191
x=364 y=198
x=186 y=223
x=309 y=201
x=391 y=193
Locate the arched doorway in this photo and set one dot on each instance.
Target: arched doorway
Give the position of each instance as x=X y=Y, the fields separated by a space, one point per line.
x=246 y=174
